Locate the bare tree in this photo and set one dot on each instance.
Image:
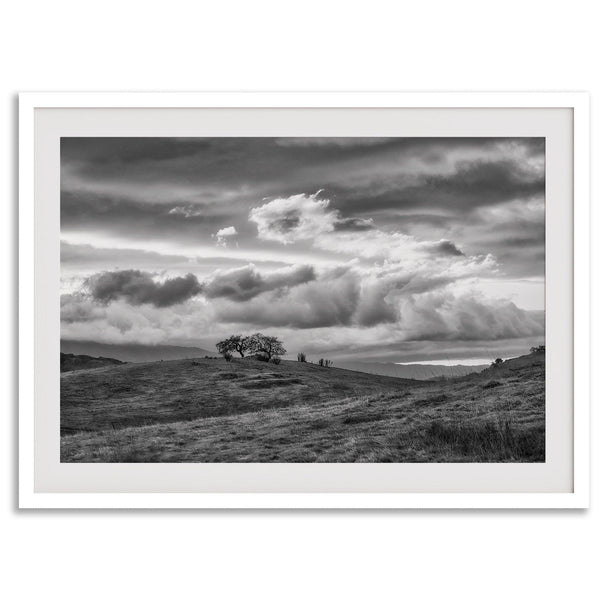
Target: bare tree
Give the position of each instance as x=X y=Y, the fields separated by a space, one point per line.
x=267 y=345
x=235 y=343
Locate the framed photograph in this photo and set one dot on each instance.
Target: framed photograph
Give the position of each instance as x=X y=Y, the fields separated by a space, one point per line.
x=304 y=300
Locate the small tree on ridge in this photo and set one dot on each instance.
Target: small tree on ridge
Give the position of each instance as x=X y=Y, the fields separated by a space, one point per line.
x=235 y=343
x=268 y=345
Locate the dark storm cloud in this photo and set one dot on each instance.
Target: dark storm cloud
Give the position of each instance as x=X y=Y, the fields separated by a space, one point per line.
x=138 y=287
x=286 y=223
x=264 y=166
x=247 y=282
x=473 y=185
x=125 y=151
x=444 y=248
x=326 y=303
x=188 y=188
x=353 y=224
x=212 y=163
x=489 y=181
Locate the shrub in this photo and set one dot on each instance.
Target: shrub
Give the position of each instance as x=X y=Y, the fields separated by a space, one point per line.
x=487 y=442
x=325 y=362
x=301 y=357
x=537 y=349
x=497 y=362
x=261 y=357
x=227 y=356
x=491 y=384
x=276 y=360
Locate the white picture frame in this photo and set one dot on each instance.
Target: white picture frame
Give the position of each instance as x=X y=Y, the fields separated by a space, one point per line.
x=577 y=497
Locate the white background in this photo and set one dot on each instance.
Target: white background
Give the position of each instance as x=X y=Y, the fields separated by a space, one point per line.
x=317 y=46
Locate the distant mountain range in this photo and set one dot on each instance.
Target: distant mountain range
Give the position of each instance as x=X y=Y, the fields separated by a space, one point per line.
x=411 y=371
x=133 y=352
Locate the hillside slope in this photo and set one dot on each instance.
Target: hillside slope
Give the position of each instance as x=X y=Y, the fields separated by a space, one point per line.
x=248 y=411
x=182 y=390
x=76 y=362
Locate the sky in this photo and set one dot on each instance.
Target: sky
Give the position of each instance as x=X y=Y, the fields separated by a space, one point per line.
x=379 y=249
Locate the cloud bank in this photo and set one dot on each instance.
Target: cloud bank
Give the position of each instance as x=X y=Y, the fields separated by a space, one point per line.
x=137 y=288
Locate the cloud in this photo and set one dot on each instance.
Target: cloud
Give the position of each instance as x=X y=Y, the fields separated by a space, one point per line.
x=225 y=233
x=185 y=211
x=397 y=247
x=337 y=142
x=455 y=188
x=305 y=217
x=344 y=311
x=247 y=282
x=373 y=308
x=353 y=224
x=121 y=322
x=78 y=307
x=288 y=220
x=116 y=151
x=419 y=311
x=112 y=216
x=444 y=247
x=328 y=302
x=442 y=315
x=138 y=287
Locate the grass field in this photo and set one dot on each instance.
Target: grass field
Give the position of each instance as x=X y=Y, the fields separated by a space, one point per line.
x=208 y=410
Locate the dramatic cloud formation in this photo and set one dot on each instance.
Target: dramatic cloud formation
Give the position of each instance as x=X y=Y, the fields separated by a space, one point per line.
x=362 y=247
x=444 y=316
x=445 y=247
x=328 y=302
x=139 y=288
x=304 y=217
x=299 y=217
x=247 y=282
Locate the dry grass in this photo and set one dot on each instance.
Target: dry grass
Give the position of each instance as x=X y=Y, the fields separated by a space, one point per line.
x=247 y=411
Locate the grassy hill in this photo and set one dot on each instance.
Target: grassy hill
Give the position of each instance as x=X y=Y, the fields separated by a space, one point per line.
x=209 y=410
x=76 y=362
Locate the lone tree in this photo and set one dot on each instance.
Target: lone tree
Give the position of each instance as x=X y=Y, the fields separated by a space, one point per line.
x=235 y=343
x=267 y=345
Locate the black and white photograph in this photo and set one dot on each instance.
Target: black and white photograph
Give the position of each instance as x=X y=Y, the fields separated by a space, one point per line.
x=302 y=300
